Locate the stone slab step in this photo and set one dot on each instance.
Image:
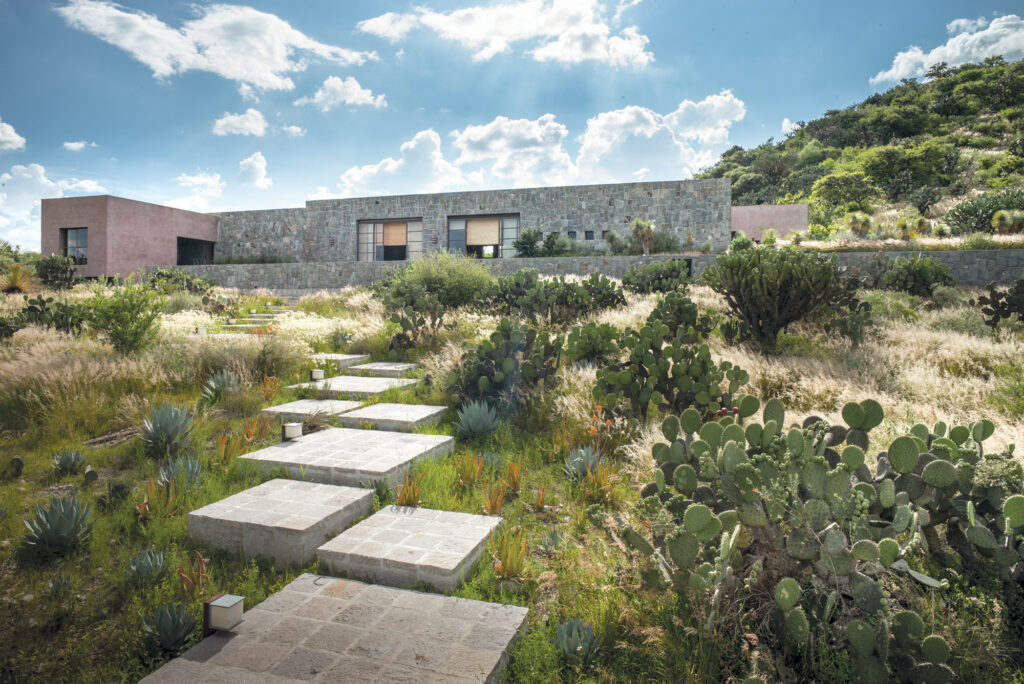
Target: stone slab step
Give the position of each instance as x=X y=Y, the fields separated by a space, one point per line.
x=239 y=326
x=400 y=546
x=399 y=417
x=281 y=519
x=342 y=361
x=384 y=369
x=355 y=386
x=345 y=456
x=326 y=629
x=302 y=409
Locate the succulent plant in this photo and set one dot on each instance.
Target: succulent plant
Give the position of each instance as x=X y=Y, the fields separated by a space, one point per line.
x=661 y=276
x=58 y=529
x=556 y=300
x=416 y=311
x=167 y=431
x=592 y=343
x=184 y=472
x=59 y=587
x=476 y=419
x=68 y=462
x=171 y=626
x=578 y=644
x=147 y=566
x=579 y=461
x=221 y=384
x=684 y=321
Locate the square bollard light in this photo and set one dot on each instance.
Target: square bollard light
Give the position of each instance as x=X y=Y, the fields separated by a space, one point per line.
x=290 y=431
x=316 y=374
x=222 y=612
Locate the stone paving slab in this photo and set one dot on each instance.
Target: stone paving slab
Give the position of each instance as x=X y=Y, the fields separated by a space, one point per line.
x=342 y=361
x=400 y=417
x=384 y=369
x=282 y=519
x=325 y=629
x=345 y=456
x=400 y=546
x=304 y=408
x=357 y=386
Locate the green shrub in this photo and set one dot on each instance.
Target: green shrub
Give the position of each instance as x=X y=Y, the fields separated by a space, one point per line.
x=740 y=242
x=767 y=288
x=455 y=279
x=167 y=432
x=556 y=300
x=173 y=280
x=975 y=215
x=918 y=275
x=684 y=321
x=182 y=301
x=58 y=529
x=592 y=343
x=127 y=314
x=528 y=244
x=9 y=326
x=60 y=315
x=661 y=276
x=1002 y=305
x=57 y=272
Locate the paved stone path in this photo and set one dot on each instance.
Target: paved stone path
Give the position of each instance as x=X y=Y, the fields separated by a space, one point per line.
x=342 y=361
x=356 y=386
x=304 y=408
x=325 y=629
x=384 y=369
x=399 y=417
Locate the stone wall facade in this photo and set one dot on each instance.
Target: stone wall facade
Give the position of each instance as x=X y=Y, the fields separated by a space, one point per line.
x=971 y=267
x=325 y=230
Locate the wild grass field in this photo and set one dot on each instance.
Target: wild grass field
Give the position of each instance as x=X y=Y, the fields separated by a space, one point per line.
x=571 y=463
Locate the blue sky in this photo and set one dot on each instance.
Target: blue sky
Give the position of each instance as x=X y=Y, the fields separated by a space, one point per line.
x=215 y=106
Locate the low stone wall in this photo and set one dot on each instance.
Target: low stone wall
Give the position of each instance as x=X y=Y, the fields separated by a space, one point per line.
x=971 y=267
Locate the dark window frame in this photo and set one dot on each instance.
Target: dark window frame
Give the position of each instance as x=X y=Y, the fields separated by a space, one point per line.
x=71 y=244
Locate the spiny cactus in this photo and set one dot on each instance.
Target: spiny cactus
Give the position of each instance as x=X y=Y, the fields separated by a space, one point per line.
x=415 y=310
x=556 y=300
x=68 y=462
x=476 y=419
x=661 y=276
x=58 y=529
x=685 y=323
x=592 y=343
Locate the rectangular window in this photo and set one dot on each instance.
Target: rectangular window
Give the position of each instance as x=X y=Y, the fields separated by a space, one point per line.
x=571 y=234
x=485 y=237
x=588 y=235
x=74 y=243
x=389 y=240
x=605 y=234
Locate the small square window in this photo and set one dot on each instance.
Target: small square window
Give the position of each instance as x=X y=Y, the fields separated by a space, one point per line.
x=588 y=235
x=571 y=234
x=605 y=234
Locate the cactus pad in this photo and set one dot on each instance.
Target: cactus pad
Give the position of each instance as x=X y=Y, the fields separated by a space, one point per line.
x=930 y=673
x=712 y=530
x=1013 y=509
x=861 y=636
x=812 y=477
x=903 y=454
x=801 y=544
x=774 y=410
x=697 y=517
x=857 y=438
x=853 y=457
x=888 y=551
x=935 y=649
x=835 y=542
x=752 y=515
x=866 y=593
x=682 y=548
x=817 y=513
x=637 y=541
x=685 y=478
x=982 y=430
x=982 y=537
x=939 y=474
x=865 y=550
x=796 y=625
x=853 y=414
x=787 y=594
x=907 y=627
x=887 y=493
x=670 y=428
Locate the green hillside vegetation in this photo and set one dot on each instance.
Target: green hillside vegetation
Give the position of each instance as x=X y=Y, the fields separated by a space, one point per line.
x=918 y=149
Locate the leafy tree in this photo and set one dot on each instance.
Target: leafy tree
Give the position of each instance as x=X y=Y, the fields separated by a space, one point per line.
x=528 y=243
x=127 y=314
x=643 y=233
x=842 y=187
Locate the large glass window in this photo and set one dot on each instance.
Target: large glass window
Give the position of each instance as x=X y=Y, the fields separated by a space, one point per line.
x=485 y=237
x=389 y=240
x=74 y=243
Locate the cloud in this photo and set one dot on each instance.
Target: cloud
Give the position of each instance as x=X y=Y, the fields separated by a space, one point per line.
x=335 y=92
x=10 y=141
x=294 y=131
x=421 y=167
x=622 y=145
x=237 y=43
x=253 y=170
x=78 y=146
x=21 y=189
x=789 y=126
x=563 y=31
x=251 y=122
x=248 y=93
x=971 y=40
x=322 y=193
x=202 y=186
x=622 y=7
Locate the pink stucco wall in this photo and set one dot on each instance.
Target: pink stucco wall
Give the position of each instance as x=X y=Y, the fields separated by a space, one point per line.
x=124 y=235
x=784 y=218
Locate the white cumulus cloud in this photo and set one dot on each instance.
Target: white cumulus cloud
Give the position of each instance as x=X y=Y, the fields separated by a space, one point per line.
x=563 y=31
x=248 y=93
x=237 y=43
x=970 y=40
x=522 y=151
x=421 y=167
x=10 y=141
x=253 y=170
x=251 y=122
x=336 y=91
x=21 y=189
x=294 y=131
x=202 y=187
x=789 y=126
x=78 y=145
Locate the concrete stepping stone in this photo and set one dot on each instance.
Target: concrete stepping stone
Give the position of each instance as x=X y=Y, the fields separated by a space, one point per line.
x=384 y=369
x=400 y=417
x=345 y=456
x=337 y=630
x=282 y=519
x=342 y=361
x=356 y=386
x=400 y=546
x=299 y=410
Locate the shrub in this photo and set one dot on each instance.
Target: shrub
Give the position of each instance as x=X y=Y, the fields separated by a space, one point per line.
x=58 y=529
x=9 y=326
x=476 y=419
x=528 y=242
x=740 y=242
x=57 y=272
x=557 y=300
x=684 y=321
x=917 y=275
x=417 y=312
x=792 y=522
x=999 y=305
x=17 y=278
x=455 y=279
x=592 y=343
x=578 y=644
x=976 y=215
x=167 y=432
x=767 y=288
x=47 y=312
x=127 y=314
x=182 y=301
x=169 y=281
x=170 y=626
x=555 y=244
x=661 y=276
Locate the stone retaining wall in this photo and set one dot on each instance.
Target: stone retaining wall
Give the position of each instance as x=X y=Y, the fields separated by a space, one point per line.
x=971 y=267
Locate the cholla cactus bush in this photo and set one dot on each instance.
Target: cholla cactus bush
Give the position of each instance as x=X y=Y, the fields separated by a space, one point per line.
x=793 y=526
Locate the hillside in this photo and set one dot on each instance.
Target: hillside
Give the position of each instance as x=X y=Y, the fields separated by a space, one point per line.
x=917 y=148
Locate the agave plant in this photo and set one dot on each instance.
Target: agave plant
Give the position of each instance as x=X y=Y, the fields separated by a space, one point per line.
x=170 y=625
x=147 y=566
x=220 y=385
x=68 y=462
x=578 y=644
x=580 y=462
x=382 y=492
x=167 y=431
x=476 y=419
x=184 y=472
x=58 y=529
